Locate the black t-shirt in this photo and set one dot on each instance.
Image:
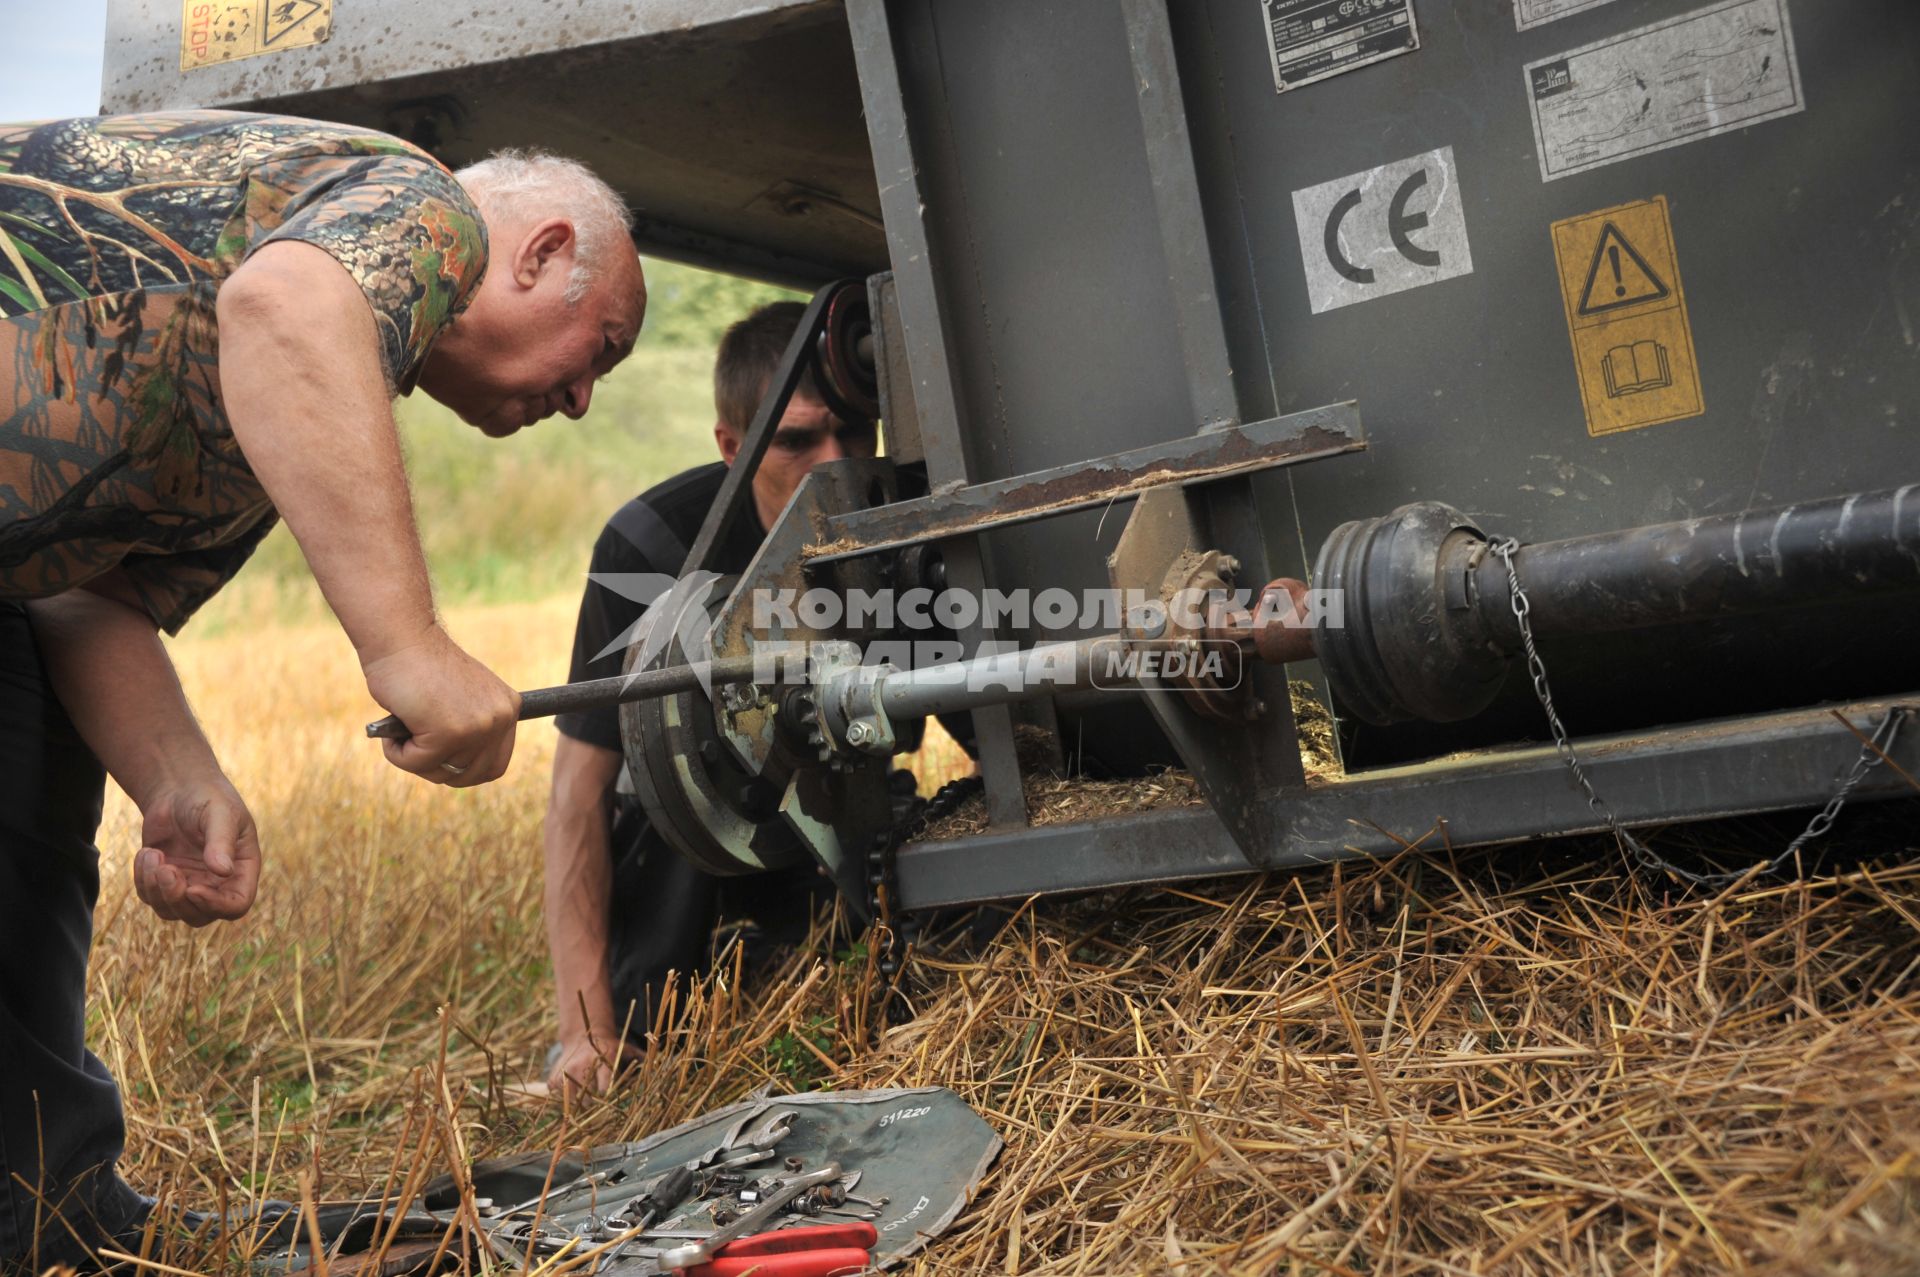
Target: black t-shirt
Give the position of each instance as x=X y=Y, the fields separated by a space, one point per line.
x=650 y=534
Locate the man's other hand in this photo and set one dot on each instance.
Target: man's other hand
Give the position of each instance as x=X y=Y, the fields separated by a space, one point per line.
x=461 y=716
x=199 y=858
x=588 y=1064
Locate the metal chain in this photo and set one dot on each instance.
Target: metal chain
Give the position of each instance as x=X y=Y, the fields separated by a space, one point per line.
x=895 y=936
x=1871 y=755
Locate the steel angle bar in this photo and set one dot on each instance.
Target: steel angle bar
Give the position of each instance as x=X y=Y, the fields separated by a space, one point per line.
x=1183 y=226
x=1213 y=454
x=1229 y=514
x=1770 y=762
x=924 y=333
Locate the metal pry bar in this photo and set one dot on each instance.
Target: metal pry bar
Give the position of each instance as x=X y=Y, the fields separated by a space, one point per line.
x=600 y=693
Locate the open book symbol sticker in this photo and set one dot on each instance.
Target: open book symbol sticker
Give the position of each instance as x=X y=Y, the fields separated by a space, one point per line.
x=1632 y=369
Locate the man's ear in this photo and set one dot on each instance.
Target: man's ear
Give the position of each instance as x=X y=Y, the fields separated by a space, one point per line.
x=549 y=243
x=729 y=441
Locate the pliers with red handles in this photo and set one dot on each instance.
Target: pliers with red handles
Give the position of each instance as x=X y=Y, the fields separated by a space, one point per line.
x=822 y=1250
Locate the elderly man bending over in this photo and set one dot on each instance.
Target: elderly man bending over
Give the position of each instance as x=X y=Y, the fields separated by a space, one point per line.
x=204 y=319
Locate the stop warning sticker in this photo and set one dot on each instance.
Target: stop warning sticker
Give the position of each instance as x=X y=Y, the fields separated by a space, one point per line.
x=213 y=32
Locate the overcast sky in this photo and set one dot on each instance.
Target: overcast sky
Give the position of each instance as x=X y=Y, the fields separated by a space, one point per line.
x=50 y=58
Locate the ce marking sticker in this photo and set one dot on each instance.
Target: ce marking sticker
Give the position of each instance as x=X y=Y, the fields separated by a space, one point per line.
x=1383 y=231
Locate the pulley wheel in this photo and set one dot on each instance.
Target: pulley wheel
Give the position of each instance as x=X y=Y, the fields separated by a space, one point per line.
x=695 y=791
x=848 y=380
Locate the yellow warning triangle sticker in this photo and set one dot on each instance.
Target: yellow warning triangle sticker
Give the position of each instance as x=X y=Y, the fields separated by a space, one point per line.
x=1619 y=276
x=284 y=15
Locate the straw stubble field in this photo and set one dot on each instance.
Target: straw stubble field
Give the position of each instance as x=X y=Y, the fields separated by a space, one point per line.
x=1512 y=1062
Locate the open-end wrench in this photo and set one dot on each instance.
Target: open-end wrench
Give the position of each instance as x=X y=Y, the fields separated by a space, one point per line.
x=737 y=1144
x=770 y=1205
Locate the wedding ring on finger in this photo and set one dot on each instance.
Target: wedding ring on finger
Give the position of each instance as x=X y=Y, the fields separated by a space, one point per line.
x=455 y=768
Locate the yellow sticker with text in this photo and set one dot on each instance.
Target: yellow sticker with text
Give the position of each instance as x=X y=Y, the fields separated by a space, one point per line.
x=1627 y=314
x=217 y=31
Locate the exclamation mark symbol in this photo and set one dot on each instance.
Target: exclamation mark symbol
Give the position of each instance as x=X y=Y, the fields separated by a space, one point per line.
x=1613 y=255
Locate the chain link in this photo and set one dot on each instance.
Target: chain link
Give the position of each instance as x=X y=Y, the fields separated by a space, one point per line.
x=1880 y=743
x=894 y=935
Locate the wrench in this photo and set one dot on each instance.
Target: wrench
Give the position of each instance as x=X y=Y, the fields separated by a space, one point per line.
x=702 y=1251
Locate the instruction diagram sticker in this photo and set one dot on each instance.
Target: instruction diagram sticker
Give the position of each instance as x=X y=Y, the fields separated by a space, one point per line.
x=1537 y=13
x=1627 y=315
x=216 y=31
x=1721 y=68
x=1383 y=231
x=1310 y=40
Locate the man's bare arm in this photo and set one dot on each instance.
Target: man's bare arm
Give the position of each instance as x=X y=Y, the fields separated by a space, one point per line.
x=200 y=858
x=579 y=893
x=302 y=381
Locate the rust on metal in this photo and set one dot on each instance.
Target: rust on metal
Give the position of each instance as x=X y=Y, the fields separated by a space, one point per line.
x=1279 y=631
x=1198 y=592
x=1320 y=432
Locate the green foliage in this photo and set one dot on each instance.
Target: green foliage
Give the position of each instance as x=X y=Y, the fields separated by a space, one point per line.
x=290 y=1096
x=789 y=1058
x=688 y=309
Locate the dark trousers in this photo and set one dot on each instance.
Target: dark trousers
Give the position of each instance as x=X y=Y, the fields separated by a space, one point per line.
x=664 y=911
x=60 y=1122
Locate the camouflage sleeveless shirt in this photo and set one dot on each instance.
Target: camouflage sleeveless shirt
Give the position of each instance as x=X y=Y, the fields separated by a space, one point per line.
x=115 y=233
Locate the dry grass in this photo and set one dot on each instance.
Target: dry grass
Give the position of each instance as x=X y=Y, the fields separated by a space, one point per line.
x=1054 y=799
x=1512 y=1062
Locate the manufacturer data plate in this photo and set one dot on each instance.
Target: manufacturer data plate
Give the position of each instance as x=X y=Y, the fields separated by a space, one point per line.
x=1310 y=40
x=1717 y=69
x=1537 y=13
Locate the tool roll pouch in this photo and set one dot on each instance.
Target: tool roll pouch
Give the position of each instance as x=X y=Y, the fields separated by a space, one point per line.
x=922 y=1149
x=921 y=1152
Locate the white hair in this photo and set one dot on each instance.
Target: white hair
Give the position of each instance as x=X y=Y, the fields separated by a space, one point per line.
x=515 y=185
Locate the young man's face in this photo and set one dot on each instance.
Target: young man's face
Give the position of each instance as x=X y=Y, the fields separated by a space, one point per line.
x=809 y=434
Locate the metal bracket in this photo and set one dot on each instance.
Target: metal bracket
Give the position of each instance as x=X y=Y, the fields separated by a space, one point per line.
x=1238 y=771
x=1769 y=762
x=1213 y=455
x=838 y=814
